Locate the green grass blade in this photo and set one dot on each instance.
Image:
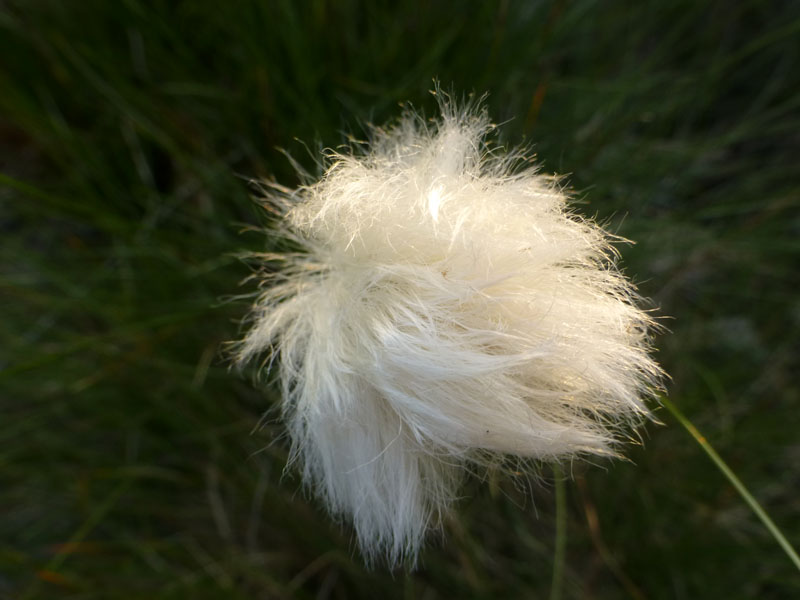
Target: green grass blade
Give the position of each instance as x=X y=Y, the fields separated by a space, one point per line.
x=735 y=481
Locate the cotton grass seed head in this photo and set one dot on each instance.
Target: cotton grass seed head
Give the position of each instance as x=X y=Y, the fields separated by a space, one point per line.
x=446 y=308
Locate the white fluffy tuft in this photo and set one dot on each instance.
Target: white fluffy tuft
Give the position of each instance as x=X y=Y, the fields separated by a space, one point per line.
x=446 y=308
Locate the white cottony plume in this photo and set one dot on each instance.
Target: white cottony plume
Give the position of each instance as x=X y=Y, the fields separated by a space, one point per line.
x=445 y=308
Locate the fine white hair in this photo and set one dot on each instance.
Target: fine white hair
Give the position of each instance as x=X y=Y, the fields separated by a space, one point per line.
x=443 y=308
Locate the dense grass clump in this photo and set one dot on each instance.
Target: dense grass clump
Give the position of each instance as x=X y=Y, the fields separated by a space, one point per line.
x=129 y=133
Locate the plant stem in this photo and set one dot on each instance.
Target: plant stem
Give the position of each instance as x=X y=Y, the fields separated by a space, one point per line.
x=561 y=534
x=735 y=481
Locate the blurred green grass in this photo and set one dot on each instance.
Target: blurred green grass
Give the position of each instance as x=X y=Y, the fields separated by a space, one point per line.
x=128 y=133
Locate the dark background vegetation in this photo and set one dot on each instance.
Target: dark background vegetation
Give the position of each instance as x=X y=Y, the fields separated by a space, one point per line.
x=129 y=464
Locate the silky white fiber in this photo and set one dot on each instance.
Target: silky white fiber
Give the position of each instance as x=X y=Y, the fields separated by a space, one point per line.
x=443 y=308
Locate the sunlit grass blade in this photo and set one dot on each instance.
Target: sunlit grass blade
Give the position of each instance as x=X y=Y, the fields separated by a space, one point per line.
x=735 y=481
